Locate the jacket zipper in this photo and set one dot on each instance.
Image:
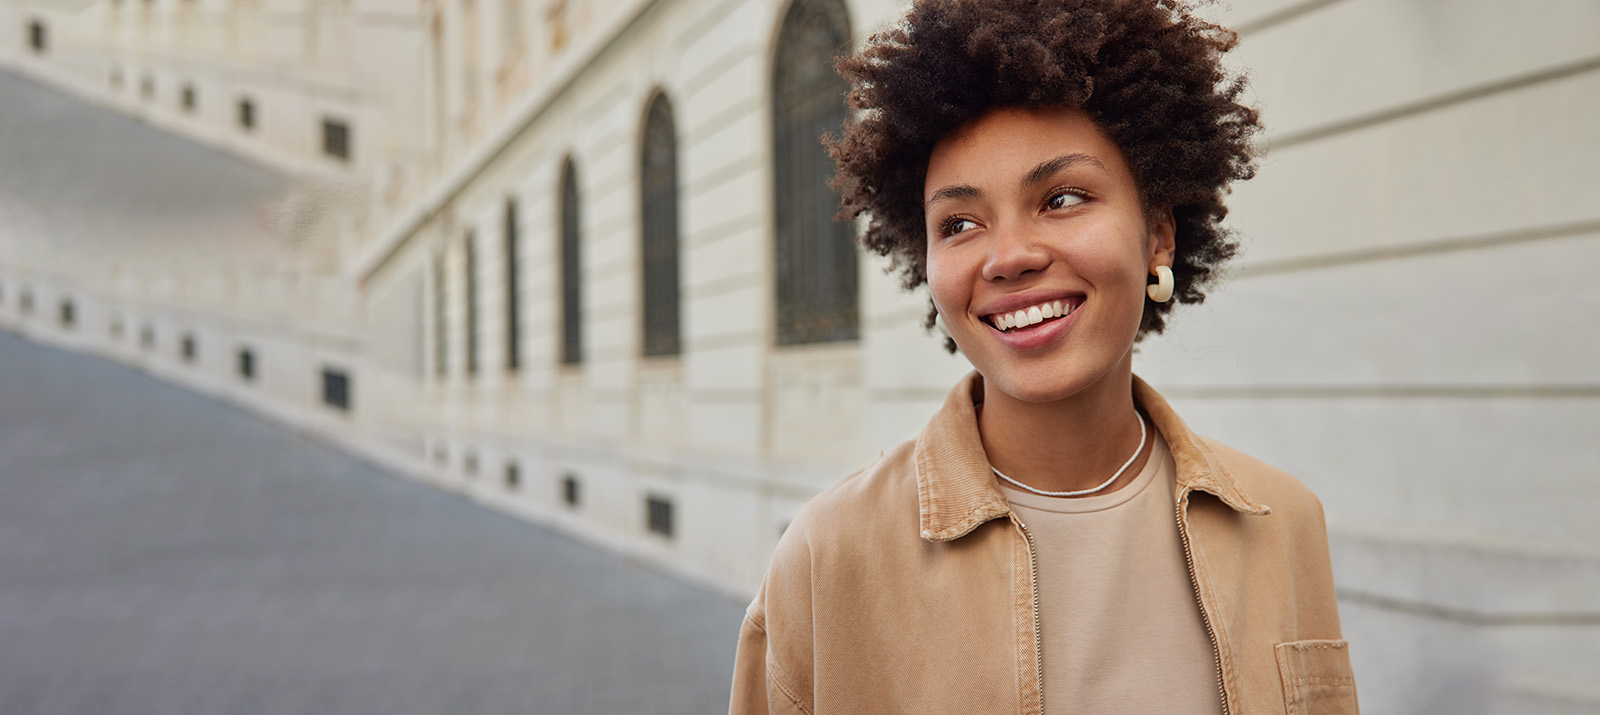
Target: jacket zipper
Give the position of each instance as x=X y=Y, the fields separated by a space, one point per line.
x=1205 y=617
x=1038 y=628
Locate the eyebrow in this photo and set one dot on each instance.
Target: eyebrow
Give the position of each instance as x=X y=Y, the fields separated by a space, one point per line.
x=1038 y=175
x=1049 y=168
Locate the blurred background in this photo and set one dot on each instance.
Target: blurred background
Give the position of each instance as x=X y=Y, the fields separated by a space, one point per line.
x=571 y=259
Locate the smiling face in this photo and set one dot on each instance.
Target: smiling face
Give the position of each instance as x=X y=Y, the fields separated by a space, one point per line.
x=1038 y=251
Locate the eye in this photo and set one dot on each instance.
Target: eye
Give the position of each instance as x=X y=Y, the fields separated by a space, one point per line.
x=956 y=224
x=1064 y=198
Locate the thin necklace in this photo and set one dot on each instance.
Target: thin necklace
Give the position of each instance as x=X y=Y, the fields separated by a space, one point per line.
x=1091 y=490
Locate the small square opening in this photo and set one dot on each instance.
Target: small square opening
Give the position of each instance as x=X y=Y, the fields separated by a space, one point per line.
x=69 y=314
x=513 y=476
x=247 y=364
x=247 y=114
x=336 y=389
x=188 y=348
x=658 y=514
x=38 y=37
x=570 y=491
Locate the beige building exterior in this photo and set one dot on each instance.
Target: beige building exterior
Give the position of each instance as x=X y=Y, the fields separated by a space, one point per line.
x=1408 y=331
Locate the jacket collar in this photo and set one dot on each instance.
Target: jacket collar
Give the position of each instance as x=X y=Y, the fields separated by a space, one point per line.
x=956 y=491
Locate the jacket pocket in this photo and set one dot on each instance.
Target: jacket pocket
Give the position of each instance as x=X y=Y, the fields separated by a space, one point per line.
x=1316 y=677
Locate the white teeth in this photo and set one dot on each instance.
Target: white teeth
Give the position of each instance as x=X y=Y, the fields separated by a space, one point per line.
x=1032 y=315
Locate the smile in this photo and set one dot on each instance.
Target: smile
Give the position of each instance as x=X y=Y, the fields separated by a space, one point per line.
x=1029 y=316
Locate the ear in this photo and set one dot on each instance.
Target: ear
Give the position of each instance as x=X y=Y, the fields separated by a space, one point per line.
x=1163 y=231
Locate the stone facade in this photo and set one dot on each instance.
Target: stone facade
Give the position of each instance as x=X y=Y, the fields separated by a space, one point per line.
x=1406 y=330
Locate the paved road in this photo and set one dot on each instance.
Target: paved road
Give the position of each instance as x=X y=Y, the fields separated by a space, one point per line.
x=162 y=553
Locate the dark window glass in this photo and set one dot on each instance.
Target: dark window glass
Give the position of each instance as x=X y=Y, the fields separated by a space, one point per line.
x=569 y=489
x=658 y=515
x=247 y=364
x=68 y=314
x=571 y=295
x=247 y=114
x=513 y=291
x=471 y=270
x=188 y=97
x=37 y=37
x=815 y=255
x=513 y=476
x=659 y=217
x=188 y=348
x=336 y=389
x=441 y=326
x=336 y=138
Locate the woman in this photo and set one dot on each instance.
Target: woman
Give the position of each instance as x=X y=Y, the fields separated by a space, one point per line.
x=1056 y=538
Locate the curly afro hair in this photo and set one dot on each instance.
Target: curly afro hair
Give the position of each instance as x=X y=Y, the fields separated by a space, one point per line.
x=1147 y=71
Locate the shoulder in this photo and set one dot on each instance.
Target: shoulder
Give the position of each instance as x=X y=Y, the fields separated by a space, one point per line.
x=1267 y=484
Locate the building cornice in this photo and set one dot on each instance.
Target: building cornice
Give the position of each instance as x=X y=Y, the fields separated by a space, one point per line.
x=522 y=115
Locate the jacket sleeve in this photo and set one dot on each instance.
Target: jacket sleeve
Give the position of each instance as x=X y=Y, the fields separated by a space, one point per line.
x=754 y=688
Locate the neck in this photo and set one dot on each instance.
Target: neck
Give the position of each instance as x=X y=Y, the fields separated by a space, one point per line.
x=1070 y=444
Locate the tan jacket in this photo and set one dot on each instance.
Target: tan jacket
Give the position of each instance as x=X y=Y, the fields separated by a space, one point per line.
x=909 y=587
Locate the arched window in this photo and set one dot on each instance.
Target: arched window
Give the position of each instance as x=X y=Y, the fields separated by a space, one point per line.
x=658 y=210
x=571 y=293
x=815 y=255
x=469 y=270
x=513 y=289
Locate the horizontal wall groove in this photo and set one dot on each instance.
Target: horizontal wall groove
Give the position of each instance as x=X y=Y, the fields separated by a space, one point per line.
x=1578 y=391
x=1444 y=101
x=1468 y=617
x=1413 y=250
x=1280 y=17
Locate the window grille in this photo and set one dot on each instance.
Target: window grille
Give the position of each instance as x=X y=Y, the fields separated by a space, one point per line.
x=336 y=138
x=816 y=292
x=658 y=515
x=513 y=290
x=441 y=326
x=659 y=218
x=471 y=271
x=571 y=293
x=336 y=389
x=247 y=114
x=38 y=39
x=570 y=489
x=247 y=364
x=187 y=347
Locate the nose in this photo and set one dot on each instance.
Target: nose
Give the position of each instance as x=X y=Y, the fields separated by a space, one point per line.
x=1014 y=253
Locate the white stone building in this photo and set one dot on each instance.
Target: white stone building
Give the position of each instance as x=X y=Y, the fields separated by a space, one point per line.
x=1408 y=331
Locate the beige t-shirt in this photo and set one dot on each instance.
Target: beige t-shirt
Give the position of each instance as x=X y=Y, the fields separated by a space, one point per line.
x=1122 y=629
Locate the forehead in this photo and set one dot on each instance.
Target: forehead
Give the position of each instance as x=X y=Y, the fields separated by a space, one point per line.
x=1004 y=144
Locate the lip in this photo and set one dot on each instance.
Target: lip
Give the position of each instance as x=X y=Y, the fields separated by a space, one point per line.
x=1037 y=336
x=1018 y=301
